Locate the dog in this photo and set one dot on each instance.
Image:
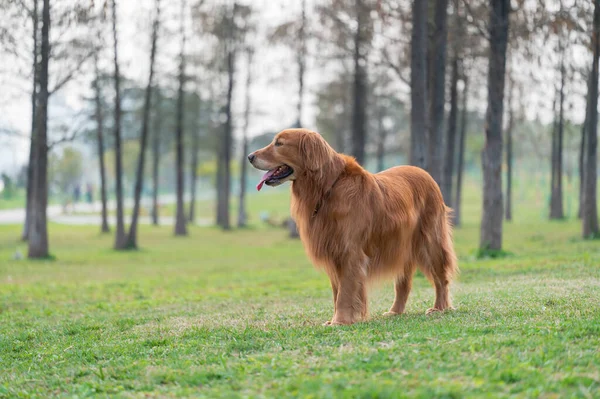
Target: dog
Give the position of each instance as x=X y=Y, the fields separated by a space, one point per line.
x=359 y=226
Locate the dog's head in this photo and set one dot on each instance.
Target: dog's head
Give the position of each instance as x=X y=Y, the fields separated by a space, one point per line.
x=292 y=154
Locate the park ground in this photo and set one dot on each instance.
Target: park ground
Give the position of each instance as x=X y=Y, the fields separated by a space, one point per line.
x=239 y=314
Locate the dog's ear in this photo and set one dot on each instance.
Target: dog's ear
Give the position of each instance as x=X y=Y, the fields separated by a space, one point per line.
x=315 y=151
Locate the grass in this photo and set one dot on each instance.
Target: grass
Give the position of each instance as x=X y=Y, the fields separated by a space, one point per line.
x=15 y=201
x=239 y=315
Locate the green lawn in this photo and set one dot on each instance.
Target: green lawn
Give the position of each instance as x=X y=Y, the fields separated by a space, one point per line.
x=239 y=314
x=17 y=200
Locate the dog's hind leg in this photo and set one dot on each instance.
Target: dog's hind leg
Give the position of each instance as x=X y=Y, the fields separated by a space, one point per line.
x=334 y=289
x=402 y=286
x=442 y=270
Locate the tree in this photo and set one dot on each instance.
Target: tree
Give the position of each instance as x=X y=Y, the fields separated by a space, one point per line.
x=461 y=149
x=556 y=192
x=156 y=152
x=582 y=149
x=590 y=206
x=418 y=86
x=491 y=223
x=438 y=77
x=180 y=222
x=34 y=92
x=509 y=150
x=359 y=95
x=38 y=229
x=450 y=155
x=224 y=162
x=120 y=237
x=100 y=141
x=242 y=216
x=295 y=35
x=132 y=236
x=72 y=16
x=194 y=164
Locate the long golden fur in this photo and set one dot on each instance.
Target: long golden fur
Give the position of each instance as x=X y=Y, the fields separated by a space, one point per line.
x=359 y=226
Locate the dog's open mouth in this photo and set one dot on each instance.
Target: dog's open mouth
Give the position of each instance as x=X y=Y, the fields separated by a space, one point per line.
x=275 y=177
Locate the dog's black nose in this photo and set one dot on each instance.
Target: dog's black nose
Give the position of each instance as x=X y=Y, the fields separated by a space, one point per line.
x=251 y=157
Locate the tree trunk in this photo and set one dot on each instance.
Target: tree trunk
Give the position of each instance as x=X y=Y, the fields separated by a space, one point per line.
x=582 y=148
x=180 y=223
x=292 y=228
x=139 y=179
x=120 y=238
x=491 y=223
x=100 y=141
x=224 y=165
x=590 y=206
x=242 y=216
x=418 y=86
x=359 y=115
x=556 y=201
x=450 y=155
x=38 y=228
x=35 y=19
x=438 y=88
x=509 y=152
x=461 y=152
x=301 y=64
x=194 y=168
x=156 y=156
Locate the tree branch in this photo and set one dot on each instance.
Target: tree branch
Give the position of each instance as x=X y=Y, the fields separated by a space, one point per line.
x=389 y=63
x=484 y=32
x=71 y=135
x=59 y=85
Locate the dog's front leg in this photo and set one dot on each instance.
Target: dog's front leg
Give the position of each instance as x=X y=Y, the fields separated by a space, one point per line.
x=351 y=301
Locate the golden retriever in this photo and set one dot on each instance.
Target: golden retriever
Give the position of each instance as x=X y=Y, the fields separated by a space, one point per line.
x=359 y=226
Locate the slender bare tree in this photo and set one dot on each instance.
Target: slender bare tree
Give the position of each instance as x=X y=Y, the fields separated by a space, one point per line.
x=509 y=150
x=418 y=86
x=224 y=162
x=194 y=160
x=556 y=192
x=491 y=223
x=461 y=149
x=450 y=154
x=38 y=229
x=156 y=152
x=120 y=237
x=589 y=215
x=242 y=215
x=180 y=221
x=100 y=142
x=139 y=180
x=359 y=96
x=34 y=92
x=438 y=89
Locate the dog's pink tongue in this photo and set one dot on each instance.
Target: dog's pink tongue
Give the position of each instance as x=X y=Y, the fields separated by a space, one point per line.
x=264 y=179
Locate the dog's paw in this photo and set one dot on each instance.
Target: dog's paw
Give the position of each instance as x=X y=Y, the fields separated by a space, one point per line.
x=335 y=322
x=391 y=314
x=435 y=310
x=327 y=323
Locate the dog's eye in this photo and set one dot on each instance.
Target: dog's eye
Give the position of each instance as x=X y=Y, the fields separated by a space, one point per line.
x=278 y=144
